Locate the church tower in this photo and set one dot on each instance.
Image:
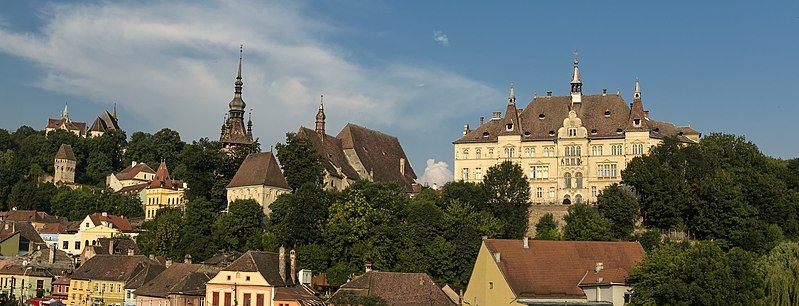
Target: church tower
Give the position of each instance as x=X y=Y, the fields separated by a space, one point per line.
x=320 y=118
x=234 y=131
x=576 y=83
x=64 y=163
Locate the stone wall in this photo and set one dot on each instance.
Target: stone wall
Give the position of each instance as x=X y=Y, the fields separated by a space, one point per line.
x=538 y=211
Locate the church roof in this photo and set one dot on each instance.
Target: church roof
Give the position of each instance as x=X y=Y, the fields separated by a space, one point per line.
x=379 y=153
x=65 y=152
x=104 y=123
x=68 y=124
x=259 y=169
x=331 y=152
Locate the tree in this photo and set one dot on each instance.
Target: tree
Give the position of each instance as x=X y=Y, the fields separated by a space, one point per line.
x=547 y=228
x=509 y=197
x=200 y=165
x=702 y=274
x=780 y=269
x=31 y=196
x=300 y=162
x=584 y=222
x=299 y=218
x=197 y=226
x=240 y=229
x=165 y=233
x=620 y=207
x=471 y=194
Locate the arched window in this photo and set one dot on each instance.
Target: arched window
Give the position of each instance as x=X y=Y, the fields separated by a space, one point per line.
x=567 y=180
x=465 y=153
x=578 y=199
x=478 y=153
x=566 y=200
x=578 y=178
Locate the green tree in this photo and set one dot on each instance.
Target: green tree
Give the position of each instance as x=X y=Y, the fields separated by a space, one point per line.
x=547 y=228
x=780 y=269
x=240 y=229
x=619 y=206
x=584 y=222
x=702 y=274
x=299 y=218
x=200 y=165
x=300 y=162
x=509 y=197
x=197 y=226
x=165 y=233
x=472 y=194
x=31 y=196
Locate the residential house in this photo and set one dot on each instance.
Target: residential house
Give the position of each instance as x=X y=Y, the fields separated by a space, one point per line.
x=540 y=272
x=9 y=243
x=110 y=246
x=181 y=284
x=56 y=261
x=259 y=178
x=111 y=280
x=91 y=229
x=396 y=289
x=258 y=279
x=27 y=241
x=163 y=192
x=61 y=287
x=222 y=259
x=23 y=282
x=38 y=219
x=136 y=174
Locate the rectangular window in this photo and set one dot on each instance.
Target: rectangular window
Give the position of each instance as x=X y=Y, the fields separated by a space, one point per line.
x=227 y=298
x=549 y=151
x=247 y=299
x=77 y=245
x=529 y=152
x=259 y=300
x=616 y=150
x=478 y=174
x=596 y=150
x=539 y=192
x=539 y=172
x=490 y=152
x=551 y=192
x=465 y=174
x=215 y=299
x=465 y=153
x=478 y=153
x=65 y=245
x=593 y=191
x=606 y=171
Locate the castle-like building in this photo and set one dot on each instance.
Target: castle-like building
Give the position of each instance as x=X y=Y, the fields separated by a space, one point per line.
x=570 y=147
x=233 y=130
x=104 y=123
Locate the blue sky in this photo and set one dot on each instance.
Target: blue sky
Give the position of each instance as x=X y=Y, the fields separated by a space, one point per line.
x=720 y=66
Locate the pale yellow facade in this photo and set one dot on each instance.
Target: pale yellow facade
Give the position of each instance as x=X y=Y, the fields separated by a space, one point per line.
x=88 y=234
x=95 y=292
x=229 y=288
x=25 y=286
x=487 y=285
x=154 y=199
x=572 y=167
x=262 y=194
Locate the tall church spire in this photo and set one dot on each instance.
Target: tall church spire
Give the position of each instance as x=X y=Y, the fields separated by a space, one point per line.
x=320 y=117
x=238 y=103
x=65 y=113
x=234 y=130
x=511 y=95
x=576 y=83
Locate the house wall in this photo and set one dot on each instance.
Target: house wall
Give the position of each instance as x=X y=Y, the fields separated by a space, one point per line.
x=78 y=292
x=88 y=235
x=236 y=284
x=157 y=198
x=50 y=239
x=262 y=194
x=607 y=293
x=94 y=292
x=10 y=246
x=25 y=286
x=487 y=285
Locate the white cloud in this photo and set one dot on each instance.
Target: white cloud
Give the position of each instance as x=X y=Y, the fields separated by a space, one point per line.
x=437 y=173
x=174 y=65
x=440 y=37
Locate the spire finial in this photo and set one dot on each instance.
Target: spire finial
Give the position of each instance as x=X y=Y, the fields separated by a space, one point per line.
x=637 y=90
x=322 y=102
x=115 y=110
x=511 y=94
x=320 y=117
x=576 y=71
x=65 y=113
x=241 y=55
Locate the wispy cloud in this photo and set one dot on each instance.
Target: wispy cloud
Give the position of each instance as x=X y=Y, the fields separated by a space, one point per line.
x=174 y=65
x=440 y=37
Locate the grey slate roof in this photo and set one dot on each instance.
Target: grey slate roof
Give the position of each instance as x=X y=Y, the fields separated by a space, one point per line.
x=259 y=169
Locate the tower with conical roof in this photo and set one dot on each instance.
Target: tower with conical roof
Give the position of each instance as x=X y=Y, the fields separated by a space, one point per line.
x=64 y=164
x=234 y=131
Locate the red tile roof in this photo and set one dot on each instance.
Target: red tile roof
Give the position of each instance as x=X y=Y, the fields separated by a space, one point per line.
x=397 y=288
x=133 y=170
x=65 y=152
x=554 y=269
x=118 y=222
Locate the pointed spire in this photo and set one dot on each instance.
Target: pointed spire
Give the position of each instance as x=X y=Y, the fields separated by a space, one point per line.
x=576 y=83
x=238 y=103
x=115 y=111
x=511 y=94
x=320 y=117
x=637 y=90
x=65 y=113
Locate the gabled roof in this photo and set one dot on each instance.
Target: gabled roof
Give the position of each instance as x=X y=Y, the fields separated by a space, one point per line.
x=133 y=270
x=554 y=269
x=25 y=229
x=179 y=278
x=379 y=153
x=397 y=288
x=14 y=269
x=104 y=123
x=265 y=263
x=301 y=294
x=118 y=222
x=121 y=246
x=222 y=259
x=131 y=172
x=70 y=125
x=32 y=216
x=163 y=180
x=331 y=152
x=65 y=152
x=259 y=169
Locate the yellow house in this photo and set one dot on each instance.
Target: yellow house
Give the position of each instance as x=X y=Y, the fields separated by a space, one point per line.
x=256 y=279
x=541 y=272
x=137 y=173
x=107 y=280
x=91 y=229
x=162 y=192
x=24 y=282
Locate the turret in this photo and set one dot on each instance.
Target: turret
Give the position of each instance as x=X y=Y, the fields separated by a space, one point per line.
x=576 y=83
x=320 y=117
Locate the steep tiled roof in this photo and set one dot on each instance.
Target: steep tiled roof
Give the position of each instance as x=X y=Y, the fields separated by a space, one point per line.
x=133 y=189
x=121 y=246
x=32 y=216
x=70 y=125
x=14 y=269
x=397 y=288
x=163 y=180
x=259 y=169
x=379 y=153
x=603 y=116
x=222 y=259
x=302 y=294
x=25 y=229
x=53 y=228
x=104 y=123
x=266 y=263
x=63 y=280
x=179 y=278
x=131 y=172
x=118 y=222
x=134 y=270
x=554 y=269
x=65 y=152
x=331 y=152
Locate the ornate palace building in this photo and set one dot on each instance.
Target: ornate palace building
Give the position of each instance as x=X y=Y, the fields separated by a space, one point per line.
x=570 y=147
x=233 y=130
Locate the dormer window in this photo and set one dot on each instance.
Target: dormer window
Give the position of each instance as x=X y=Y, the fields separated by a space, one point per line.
x=637 y=122
x=527 y=134
x=551 y=133
x=619 y=131
x=657 y=130
x=509 y=127
x=541 y=116
x=485 y=134
x=607 y=113
x=593 y=132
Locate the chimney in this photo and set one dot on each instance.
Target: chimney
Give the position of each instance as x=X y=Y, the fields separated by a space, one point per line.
x=496 y=115
x=549 y=93
x=367 y=267
x=526 y=242
x=111 y=247
x=133 y=163
x=130 y=252
x=293 y=258
x=402 y=166
x=187 y=259
x=482 y=119
x=51 y=257
x=105 y=214
x=598 y=267
x=646 y=113
x=281 y=262
x=604 y=91
x=496 y=257
x=152 y=256
x=168 y=263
